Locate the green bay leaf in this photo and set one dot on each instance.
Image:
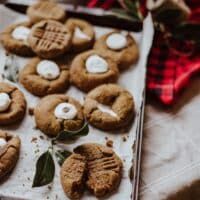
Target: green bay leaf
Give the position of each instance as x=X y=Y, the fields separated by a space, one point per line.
x=45 y=170
x=68 y=135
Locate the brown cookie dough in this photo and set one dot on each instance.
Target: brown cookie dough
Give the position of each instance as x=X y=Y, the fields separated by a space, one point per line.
x=9 y=153
x=39 y=85
x=46 y=10
x=119 y=100
x=72 y=175
x=83 y=34
x=49 y=39
x=125 y=56
x=12 y=45
x=85 y=80
x=17 y=108
x=104 y=168
x=46 y=120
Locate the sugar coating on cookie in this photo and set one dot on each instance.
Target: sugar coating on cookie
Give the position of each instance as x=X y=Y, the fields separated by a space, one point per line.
x=46 y=10
x=9 y=153
x=109 y=107
x=48 y=69
x=96 y=64
x=65 y=111
x=83 y=34
x=93 y=68
x=4 y=101
x=12 y=104
x=116 y=41
x=43 y=77
x=121 y=48
x=51 y=119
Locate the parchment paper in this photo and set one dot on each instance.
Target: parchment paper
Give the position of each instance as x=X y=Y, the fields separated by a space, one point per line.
x=20 y=181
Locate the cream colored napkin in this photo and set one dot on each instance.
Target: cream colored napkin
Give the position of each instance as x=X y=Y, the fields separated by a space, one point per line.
x=171 y=149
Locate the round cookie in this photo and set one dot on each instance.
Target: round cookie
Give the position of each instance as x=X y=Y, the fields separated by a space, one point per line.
x=109 y=107
x=46 y=10
x=83 y=34
x=104 y=168
x=52 y=116
x=93 y=68
x=14 y=39
x=42 y=77
x=72 y=175
x=12 y=104
x=49 y=39
x=9 y=152
x=123 y=49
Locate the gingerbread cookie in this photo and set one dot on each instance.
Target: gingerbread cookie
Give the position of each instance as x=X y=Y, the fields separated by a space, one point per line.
x=9 y=152
x=42 y=77
x=12 y=104
x=109 y=107
x=93 y=68
x=72 y=175
x=49 y=39
x=55 y=113
x=14 y=39
x=123 y=49
x=83 y=34
x=46 y=10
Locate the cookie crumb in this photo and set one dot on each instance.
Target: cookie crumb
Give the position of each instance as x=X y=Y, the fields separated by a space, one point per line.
x=31 y=111
x=49 y=187
x=34 y=139
x=41 y=137
x=124 y=138
x=109 y=143
x=106 y=138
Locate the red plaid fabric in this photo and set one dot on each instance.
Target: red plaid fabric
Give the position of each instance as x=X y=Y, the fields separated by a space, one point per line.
x=168 y=72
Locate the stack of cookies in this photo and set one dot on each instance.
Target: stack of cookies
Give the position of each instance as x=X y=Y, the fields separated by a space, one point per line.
x=49 y=37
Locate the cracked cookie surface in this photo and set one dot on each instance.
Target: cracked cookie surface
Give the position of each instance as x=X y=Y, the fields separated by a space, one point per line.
x=95 y=165
x=9 y=153
x=117 y=99
x=46 y=120
x=41 y=86
x=72 y=175
x=17 y=108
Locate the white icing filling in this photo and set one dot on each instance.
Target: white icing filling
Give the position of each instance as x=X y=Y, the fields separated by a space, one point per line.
x=96 y=64
x=21 y=33
x=4 y=101
x=48 y=69
x=116 y=41
x=80 y=34
x=65 y=111
x=3 y=142
x=106 y=109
